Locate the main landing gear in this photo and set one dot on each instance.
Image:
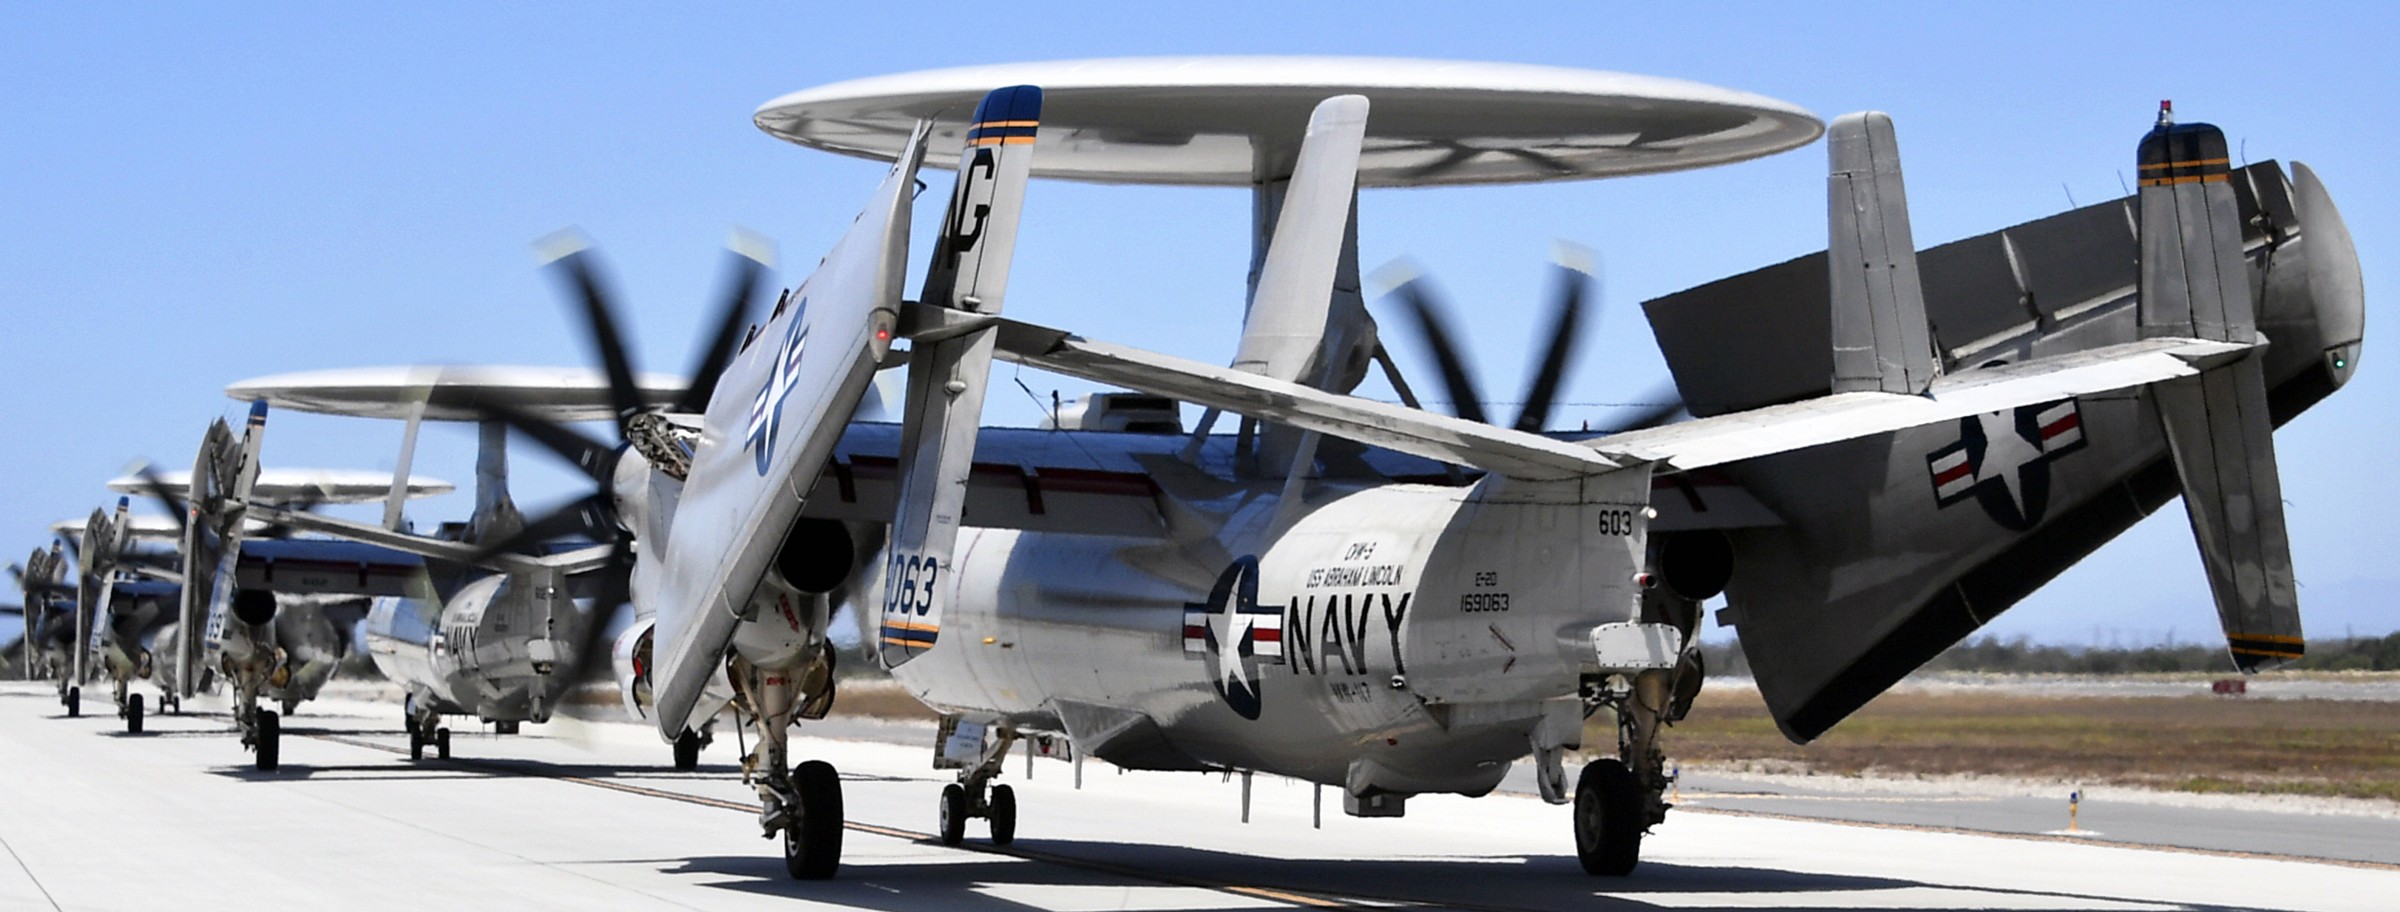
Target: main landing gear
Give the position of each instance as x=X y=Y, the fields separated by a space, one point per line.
x=802 y=803
x=1618 y=799
x=976 y=750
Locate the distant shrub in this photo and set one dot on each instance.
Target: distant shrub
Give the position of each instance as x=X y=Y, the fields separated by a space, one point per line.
x=2017 y=655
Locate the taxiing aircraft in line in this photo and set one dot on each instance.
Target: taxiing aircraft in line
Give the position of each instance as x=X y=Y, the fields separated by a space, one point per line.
x=1887 y=448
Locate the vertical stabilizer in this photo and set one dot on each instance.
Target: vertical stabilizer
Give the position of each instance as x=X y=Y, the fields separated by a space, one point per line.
x=948 y=372
x=1284 y=333
x=2195 y=283
x=231 y=470
x=1881 y=342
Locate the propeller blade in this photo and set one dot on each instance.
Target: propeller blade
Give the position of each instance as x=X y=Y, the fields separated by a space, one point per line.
x=158 y=491
x=575 y=269
x=595 y=459
x=1669 y=404
x=614 y=590
x=733 y=316
x=588 y=516
x=1465 y=401
x=1543 y=392
x=308 y=502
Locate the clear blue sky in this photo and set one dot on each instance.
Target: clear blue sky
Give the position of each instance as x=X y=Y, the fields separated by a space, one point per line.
x=192 y=194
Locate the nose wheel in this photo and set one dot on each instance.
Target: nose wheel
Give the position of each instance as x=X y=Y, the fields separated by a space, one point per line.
x=421 y=737
x=133 y=714
x=998 y=807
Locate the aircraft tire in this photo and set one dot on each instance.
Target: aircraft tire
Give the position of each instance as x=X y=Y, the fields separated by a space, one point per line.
x=441 y=743
x=954 y=814
x=504 y=727
x=1608 y=819
x=687 y=750
x=812 y=845
x=1003 y=815
x=74 y=702
x=133 y=714
x=270 y=741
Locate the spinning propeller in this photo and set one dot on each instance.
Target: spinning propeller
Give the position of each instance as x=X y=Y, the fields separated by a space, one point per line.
x=594 y=516
x=1541 y=392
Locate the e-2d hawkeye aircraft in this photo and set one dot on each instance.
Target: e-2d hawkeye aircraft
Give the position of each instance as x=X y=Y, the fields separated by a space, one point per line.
x=45 y=644
x=466 y=625
x=120 y=592
x=146 y=635
x=266 y=614
x=1395 y=602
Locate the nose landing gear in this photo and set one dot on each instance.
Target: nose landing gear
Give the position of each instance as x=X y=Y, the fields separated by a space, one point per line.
x=976 y=751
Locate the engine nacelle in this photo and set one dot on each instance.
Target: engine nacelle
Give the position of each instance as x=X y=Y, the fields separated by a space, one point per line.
x=629 y=491
x=631 y=657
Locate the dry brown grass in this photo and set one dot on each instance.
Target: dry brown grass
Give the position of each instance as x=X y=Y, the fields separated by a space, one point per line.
x=2197 y=743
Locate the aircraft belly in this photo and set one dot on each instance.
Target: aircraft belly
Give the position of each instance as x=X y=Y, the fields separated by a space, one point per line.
x=1338 y=672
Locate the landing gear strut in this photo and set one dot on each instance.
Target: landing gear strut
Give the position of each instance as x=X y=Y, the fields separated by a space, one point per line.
x=976 y=751
x=801 y=803
x=1618 y=799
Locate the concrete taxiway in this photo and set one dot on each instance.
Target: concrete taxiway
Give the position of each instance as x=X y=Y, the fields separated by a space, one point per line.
x=590 y=817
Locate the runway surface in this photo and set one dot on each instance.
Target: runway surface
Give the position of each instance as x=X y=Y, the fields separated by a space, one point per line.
x=589 y=817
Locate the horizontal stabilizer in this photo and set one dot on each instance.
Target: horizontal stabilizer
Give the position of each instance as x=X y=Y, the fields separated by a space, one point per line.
x=1881 y=342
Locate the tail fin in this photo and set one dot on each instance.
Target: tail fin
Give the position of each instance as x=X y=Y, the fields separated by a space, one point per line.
x=1306 y=322
x=950 y=366
x=2195 y=283
x=104 y=537
x=1283 y=334
x=222 y=475
x=1881 y=342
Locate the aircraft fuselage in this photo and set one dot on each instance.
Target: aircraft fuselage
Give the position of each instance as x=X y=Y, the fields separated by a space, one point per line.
x=1398 y=637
